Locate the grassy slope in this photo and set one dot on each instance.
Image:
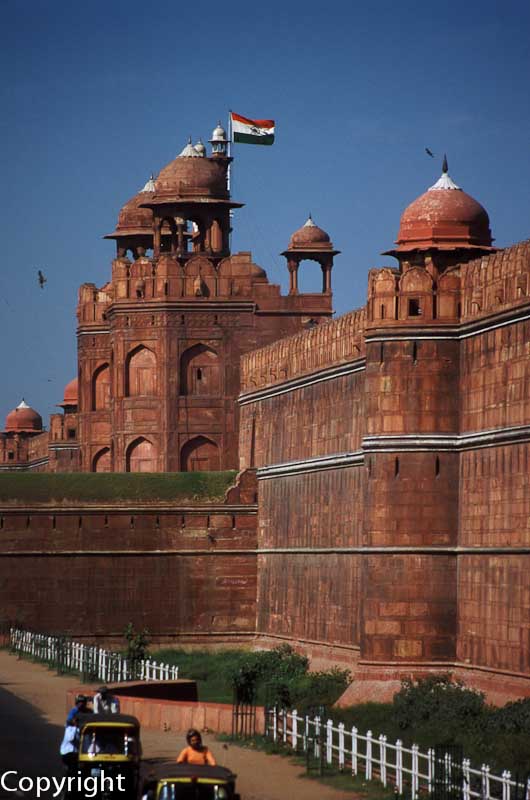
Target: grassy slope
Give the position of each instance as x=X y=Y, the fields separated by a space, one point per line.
x=109 y=487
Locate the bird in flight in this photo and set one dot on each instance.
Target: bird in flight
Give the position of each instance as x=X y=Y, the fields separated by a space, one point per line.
x=42 y=278
x=429 y=152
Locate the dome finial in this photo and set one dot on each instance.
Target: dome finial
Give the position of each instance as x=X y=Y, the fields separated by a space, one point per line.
x=445 y=168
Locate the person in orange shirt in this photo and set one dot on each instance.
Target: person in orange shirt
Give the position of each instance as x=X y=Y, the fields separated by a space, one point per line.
x=196 y=752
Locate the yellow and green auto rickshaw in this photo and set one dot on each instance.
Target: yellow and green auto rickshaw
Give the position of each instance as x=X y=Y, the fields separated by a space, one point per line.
x=109 y=747
x=173 y=781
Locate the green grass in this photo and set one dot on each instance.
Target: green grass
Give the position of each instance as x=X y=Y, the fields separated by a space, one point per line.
x=108 y=487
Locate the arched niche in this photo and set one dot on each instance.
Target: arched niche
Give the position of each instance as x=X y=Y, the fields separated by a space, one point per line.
x=101 y=461
x=101 y=388
x=200 y=372
x=141 y=373
x=141 y=456
x=199 y=455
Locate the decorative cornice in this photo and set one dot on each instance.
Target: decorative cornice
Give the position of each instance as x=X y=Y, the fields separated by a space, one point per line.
x=40 y=462
x=328 y=374
x=319 y=464
x=115 y=509
x=495 y=437
x=431 y=550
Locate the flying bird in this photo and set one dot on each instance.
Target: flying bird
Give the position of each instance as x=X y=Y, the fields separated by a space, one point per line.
x=429 y=152
x=42 y=278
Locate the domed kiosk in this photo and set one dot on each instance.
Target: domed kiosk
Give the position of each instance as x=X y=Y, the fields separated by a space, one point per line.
x=314 y=244
x=446 y=223
x=193 y=190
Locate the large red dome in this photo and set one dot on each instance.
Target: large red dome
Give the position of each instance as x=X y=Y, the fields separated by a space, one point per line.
x=191 y=175
x=444 y=217
x=23 y=419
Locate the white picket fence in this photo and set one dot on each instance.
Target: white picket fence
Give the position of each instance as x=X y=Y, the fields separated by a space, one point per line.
x=89 y=660
x=406 y=770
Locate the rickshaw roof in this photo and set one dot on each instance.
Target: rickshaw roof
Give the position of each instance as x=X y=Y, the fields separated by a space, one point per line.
x=108 y=719
x=173 y=770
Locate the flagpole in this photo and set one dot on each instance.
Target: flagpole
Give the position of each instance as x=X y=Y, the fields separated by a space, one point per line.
x=229 y=177
x=228 y=172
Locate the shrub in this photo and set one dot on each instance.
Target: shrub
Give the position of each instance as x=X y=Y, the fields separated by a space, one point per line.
x=438 y=700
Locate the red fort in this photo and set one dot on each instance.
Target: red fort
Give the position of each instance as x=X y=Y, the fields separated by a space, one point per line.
x=380 y=518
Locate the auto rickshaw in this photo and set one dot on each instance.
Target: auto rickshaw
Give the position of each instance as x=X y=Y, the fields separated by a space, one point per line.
x=173 y=781
x=109 y=745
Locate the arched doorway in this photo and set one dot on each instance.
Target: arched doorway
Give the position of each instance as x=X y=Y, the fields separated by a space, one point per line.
x=200 y=373
x=101 y=461
x=141 y=456
x=199 y=455
x=140 y=376
x=101 y=388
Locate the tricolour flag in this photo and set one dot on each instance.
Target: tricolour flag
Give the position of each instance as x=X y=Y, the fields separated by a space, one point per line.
x=252 y=131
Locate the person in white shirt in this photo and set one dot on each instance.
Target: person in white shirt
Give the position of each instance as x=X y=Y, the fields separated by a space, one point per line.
x=105 y=703
x=70 y=745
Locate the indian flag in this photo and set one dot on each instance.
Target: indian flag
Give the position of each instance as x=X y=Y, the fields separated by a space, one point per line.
x=251 y=131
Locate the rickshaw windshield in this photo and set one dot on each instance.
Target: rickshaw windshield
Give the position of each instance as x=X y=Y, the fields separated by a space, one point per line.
x=109 y=742
x=193 y=791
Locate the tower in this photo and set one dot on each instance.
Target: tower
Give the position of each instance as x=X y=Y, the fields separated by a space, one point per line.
x=412 y=424
x=159 y=345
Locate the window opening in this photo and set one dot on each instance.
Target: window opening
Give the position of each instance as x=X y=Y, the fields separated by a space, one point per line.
x=414 y=307
x=396 y=467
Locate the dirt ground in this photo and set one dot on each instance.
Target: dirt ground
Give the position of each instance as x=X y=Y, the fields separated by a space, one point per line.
x=260 y=776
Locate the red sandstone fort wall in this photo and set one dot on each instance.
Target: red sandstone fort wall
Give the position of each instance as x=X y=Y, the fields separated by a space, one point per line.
x=308 y=591
x=494 y=512
x=181 y=572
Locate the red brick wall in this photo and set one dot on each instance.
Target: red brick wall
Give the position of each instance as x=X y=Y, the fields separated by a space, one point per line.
x=88 y=572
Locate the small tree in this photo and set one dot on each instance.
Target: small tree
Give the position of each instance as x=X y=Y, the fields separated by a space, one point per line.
x=137 y=646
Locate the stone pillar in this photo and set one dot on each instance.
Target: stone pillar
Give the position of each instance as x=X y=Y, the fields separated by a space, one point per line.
x=292 y=266
x=157 y=231
x=326 y=275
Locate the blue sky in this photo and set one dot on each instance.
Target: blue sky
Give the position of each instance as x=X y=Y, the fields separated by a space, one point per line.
x=96 y=96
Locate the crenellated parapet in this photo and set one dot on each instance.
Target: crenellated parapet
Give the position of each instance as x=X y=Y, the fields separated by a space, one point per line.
x=331 y=343
x=496 y=283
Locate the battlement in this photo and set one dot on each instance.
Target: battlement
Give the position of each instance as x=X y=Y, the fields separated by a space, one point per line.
x=331 y=343
x=497 y=282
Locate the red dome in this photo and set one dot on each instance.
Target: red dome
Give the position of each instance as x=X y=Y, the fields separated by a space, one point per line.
x=310 y=237
x=444 y=217
x=133 y=219
x=23 y=419
x=192 y=176
x=71 y=393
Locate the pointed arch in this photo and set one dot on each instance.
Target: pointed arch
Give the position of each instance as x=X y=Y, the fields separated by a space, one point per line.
x=199 y=455
x=141 y=373
x=200 y=372
x=101 y=461
x=141 y=456
x=100 y=388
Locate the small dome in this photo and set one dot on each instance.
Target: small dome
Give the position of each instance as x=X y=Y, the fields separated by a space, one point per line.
x=71 y=393
x=444 y=217
x=200 y=148
x=308 y=236
x=23 y=419
x=133 y=219
x=218 y=134
x=189 y=151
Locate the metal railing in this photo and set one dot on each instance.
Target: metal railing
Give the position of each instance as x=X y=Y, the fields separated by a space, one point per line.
x=93 y=663
x=402 y=768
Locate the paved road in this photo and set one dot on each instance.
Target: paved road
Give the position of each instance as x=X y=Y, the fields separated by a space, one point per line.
x=32 y=714
x=28 y=742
